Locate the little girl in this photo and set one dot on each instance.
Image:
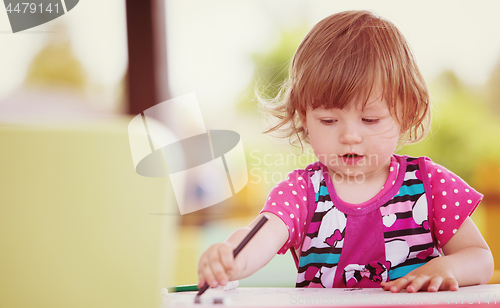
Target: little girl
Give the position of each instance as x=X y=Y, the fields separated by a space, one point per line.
x=361 y=216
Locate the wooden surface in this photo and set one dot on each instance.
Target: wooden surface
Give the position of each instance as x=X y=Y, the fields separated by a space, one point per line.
x=474 y=296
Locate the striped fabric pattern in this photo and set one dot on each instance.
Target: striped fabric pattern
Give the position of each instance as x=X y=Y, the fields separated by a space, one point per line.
x=324 y=239
x=407 y=236
x=408 y=239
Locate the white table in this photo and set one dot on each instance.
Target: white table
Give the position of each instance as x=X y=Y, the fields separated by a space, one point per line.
x=484 y=296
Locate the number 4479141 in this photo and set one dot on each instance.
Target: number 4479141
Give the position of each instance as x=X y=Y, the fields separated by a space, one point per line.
x=32 y=8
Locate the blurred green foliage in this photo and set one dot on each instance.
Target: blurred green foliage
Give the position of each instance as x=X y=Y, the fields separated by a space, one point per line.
x=464 y=132
x=493 y=90
x=271 y=69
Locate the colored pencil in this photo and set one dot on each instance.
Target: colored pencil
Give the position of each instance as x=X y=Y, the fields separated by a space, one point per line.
x=184 y=288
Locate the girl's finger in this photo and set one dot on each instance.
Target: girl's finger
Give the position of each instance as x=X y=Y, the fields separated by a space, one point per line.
x=227 y=259
x=219 y=274
x=387 y=285
x=435 y=284
x=450 y=284
x=201 y=269
x=208 y=276
x=401 y=283
x=417 y=283
x=201 y=280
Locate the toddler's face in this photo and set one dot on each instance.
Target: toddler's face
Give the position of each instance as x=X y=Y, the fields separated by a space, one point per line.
x=355 y=141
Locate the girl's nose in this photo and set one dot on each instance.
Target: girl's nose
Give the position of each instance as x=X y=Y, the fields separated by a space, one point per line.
x=350 y=135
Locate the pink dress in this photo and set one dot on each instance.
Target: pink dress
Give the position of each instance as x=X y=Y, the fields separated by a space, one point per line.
x=337 y=244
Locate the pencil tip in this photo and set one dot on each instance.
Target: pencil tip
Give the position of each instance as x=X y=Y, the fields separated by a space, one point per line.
x=197 y=299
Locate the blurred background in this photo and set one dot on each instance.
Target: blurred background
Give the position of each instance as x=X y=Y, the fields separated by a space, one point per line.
x=91 y=70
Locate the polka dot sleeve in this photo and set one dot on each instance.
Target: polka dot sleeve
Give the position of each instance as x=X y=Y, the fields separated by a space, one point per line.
x=288 y=201
x=453 y=201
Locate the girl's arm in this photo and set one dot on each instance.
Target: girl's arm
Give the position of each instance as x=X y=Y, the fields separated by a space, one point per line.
x=217 y=265
x=467 y=261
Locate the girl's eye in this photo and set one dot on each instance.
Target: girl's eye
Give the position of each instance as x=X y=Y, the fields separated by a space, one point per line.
x=328 y=121
x=370 y=120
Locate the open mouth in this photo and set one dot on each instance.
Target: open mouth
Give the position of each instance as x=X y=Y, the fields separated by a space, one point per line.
x=351 y=155
x=351 y=158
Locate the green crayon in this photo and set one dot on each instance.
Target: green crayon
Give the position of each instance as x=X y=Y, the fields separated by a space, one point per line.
x=185 y=288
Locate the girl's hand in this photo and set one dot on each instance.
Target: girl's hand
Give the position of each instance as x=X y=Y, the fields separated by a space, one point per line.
x=467 y=261
x=432 y=276
x=217 y=266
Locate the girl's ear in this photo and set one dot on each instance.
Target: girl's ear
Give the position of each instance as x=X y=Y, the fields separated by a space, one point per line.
x=303 y=122
x=302 y=118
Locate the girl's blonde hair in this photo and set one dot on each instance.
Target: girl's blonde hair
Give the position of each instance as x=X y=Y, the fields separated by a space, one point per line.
x=343 y=59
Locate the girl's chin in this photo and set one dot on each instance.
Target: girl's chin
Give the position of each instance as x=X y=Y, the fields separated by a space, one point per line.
x=356 y=172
